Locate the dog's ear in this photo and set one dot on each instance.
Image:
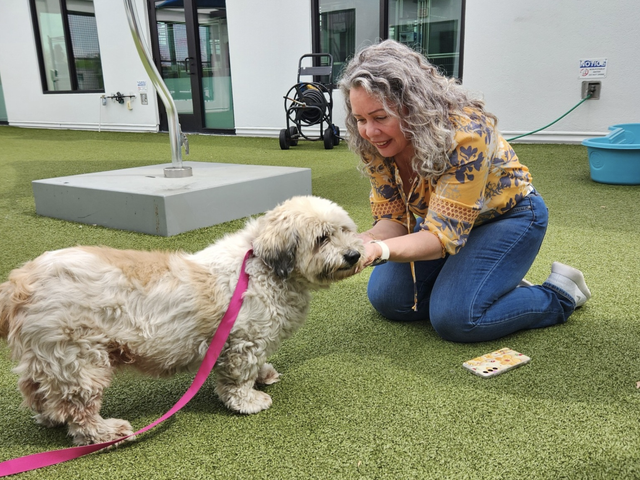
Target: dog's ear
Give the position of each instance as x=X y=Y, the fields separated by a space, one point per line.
x=276 y=244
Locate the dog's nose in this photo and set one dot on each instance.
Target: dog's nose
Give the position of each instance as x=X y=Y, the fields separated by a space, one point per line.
x=351 y=257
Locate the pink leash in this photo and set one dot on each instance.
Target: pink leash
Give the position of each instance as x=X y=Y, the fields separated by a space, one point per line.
x=44 y=459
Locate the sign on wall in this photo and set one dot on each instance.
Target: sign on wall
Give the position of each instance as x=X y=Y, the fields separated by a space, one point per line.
x=593 y=68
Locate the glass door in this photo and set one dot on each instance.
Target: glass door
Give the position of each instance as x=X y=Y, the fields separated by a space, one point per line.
x=216 y=71
x=191 y=50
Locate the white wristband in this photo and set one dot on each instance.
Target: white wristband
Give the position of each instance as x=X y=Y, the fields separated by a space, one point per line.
x=385 y=250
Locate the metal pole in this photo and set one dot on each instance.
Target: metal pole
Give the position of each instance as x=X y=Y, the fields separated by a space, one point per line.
x=176 y=137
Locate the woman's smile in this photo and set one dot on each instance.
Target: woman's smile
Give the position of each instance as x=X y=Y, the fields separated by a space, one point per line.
x=378 y=127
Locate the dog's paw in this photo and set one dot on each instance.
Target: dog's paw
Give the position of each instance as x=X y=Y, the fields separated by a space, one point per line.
x=120 y=428
x=107 y=431
x=245 y=400
x=267 y=375
x=256 y=402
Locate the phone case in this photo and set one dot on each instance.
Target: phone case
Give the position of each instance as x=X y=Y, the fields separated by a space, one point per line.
x=495 y=363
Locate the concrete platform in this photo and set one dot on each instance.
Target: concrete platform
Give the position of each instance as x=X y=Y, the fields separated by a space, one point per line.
x=141 y=199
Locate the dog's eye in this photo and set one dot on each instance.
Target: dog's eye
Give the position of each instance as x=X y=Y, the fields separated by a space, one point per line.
x=322 y=240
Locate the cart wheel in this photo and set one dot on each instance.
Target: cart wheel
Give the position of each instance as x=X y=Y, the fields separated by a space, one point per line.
x=336 y=135
x=328 y=139
x=293 y=136
x=285 y=139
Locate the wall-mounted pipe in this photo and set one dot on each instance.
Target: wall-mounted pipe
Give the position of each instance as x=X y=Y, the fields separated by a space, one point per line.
x=176 y=137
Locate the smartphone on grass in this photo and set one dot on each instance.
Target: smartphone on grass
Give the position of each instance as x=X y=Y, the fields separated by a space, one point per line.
x=495 y=363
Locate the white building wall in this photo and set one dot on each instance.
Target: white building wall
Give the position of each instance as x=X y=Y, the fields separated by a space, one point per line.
x=266 y=40
x=522 y=56
x=122 y=70
x=28 y=106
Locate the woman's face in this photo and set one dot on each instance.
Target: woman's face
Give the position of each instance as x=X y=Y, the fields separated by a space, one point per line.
x=379 y=128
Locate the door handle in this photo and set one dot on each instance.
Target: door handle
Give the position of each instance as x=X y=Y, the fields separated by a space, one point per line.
x=189 y=65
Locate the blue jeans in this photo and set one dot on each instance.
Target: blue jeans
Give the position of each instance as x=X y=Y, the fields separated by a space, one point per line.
x=473 y=296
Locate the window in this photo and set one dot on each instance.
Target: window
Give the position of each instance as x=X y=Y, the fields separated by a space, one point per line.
x=67 y=44
x=338 y=36
x=342 y=26
x=431 y=27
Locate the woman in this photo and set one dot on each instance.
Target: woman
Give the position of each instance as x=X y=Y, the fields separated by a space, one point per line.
x=455 y=212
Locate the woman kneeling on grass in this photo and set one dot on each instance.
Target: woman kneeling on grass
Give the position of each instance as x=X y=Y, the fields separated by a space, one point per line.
x=434 y=153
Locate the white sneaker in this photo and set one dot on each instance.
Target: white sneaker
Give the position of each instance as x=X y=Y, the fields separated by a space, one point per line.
x=571 y=281
x=525 y=283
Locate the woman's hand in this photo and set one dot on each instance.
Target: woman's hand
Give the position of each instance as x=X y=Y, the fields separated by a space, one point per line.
x=372 y=251
x=382 y=230
x=417 y=246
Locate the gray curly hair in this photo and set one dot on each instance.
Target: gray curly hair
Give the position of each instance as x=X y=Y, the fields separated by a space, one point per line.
x=411 y=89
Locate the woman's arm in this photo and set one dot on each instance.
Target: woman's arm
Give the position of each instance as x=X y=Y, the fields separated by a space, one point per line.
x=382 y=230
x=403 y=247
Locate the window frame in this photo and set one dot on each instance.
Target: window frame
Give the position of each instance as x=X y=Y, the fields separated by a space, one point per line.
x=383 y=29
x=71 y=63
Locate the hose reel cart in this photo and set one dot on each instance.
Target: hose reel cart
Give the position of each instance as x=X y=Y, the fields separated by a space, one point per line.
x=310 y=104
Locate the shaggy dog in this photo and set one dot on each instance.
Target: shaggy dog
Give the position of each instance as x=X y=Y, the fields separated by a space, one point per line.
x=72 y=316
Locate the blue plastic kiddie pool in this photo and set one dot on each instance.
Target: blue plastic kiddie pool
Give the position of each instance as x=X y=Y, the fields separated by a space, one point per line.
x=615 y=158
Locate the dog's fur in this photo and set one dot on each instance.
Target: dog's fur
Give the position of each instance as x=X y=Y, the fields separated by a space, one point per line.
x=71 y=316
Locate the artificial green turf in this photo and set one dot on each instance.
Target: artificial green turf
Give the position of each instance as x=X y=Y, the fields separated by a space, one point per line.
x=361 y=397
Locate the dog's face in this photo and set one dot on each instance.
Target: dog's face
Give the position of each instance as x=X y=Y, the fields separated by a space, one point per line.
x=310 y=236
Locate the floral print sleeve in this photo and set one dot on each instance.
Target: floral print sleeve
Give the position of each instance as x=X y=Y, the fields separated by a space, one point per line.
x=485 y=179
x=458 y=197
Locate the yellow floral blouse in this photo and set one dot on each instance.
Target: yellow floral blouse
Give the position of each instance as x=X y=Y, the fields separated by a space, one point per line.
x=485 y=180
